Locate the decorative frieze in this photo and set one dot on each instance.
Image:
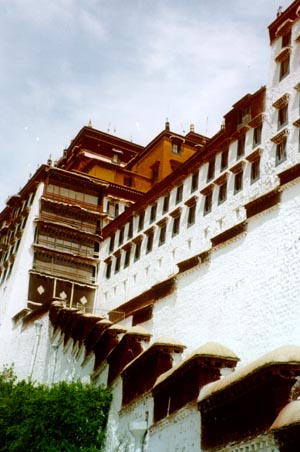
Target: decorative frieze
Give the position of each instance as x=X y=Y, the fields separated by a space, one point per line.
x=207 y=190
x=229 y=234
x=283 y=54
x=257 y=121
x=284 y=28
x=281 y=136
x=240 y=132
x=238 y=167
x=297 y=122
x=176 y=212
x=222 y=179
x=261 y=443
x=191 y=201
x=254 y=155
x=289 y=174
x=282 y=101
x=262 y=203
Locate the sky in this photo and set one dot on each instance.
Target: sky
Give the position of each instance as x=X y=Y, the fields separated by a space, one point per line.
x=124 y=65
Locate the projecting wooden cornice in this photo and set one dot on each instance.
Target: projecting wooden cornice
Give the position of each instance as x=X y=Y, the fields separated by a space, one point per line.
x=205 y=191
x=297 y=87
x=222 y=179
x=152 y=295
x=150 y=230
x=297 y=123
x=281 y=136
x=254 y=155
x=289 y=174
x=283 y=54
x=257 y=121
x=240 y=133
x=229 y=234
x=238 y=167
x=138 y=239
x=192 y=201
x=175 y=212
x=262 y=203
x=282 y=101
x=193 y=261
x=284 y=28
x=162 y=222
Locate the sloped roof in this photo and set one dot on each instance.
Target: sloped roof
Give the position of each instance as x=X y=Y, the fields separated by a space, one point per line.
x=138 y=330
x=210 y=349
x=214 y=349
x=167 y=340
x=284 y=354
x=117 y=327
x=162 y=341
x=290 y=414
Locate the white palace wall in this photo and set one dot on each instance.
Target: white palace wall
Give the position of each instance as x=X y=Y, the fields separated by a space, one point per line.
x=246 y=295
x=14 y=299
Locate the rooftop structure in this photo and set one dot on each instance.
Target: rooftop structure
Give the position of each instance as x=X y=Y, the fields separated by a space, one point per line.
x=170 y=270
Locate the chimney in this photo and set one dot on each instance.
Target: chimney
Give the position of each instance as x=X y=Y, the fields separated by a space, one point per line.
x=192 y=128
x=167 y=125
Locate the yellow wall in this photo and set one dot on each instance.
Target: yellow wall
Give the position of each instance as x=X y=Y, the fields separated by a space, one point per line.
x=117 y=175
x=103 y=173
x=161 y=152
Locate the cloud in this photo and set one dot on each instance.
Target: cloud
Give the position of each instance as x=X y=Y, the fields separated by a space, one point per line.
x=128 y=63
x=91 y=24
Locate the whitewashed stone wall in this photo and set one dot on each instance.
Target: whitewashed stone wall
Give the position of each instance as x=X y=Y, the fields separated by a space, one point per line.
x=122 y=421
x=246 y=296
x=13 y=295
x=178 y=433
x=69 y=362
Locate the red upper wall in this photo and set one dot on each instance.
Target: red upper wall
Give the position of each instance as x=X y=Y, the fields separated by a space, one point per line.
x=291 y=13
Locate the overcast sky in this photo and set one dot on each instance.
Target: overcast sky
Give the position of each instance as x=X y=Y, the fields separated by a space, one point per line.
x=126 y=65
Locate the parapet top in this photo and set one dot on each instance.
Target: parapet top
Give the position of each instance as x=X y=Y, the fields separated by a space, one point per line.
x=284 y=354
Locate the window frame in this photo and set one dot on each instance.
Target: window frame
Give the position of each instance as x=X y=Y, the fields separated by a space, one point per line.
x=222 y=195
x=281 y=154
x=286 y=39
x=127 y=257
x=241 y=146
x=191 y=215
x=141 y=222
x=121 y=236
x=176 y=148
x=282 y=116
x=179 y=194
x=153 y=212
x=176 y=225
x=162 y=234
x=195 y=181
x=257 y=135
x=137 y=250
x=255 y=170
x=224 y=165
x=210 y=170
x=108 y=269
x=207 y=203
x=238 y=181
x=166 y=203
x=150 y=241
x=284 y=68
x=111 y=243
x=117 y=263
